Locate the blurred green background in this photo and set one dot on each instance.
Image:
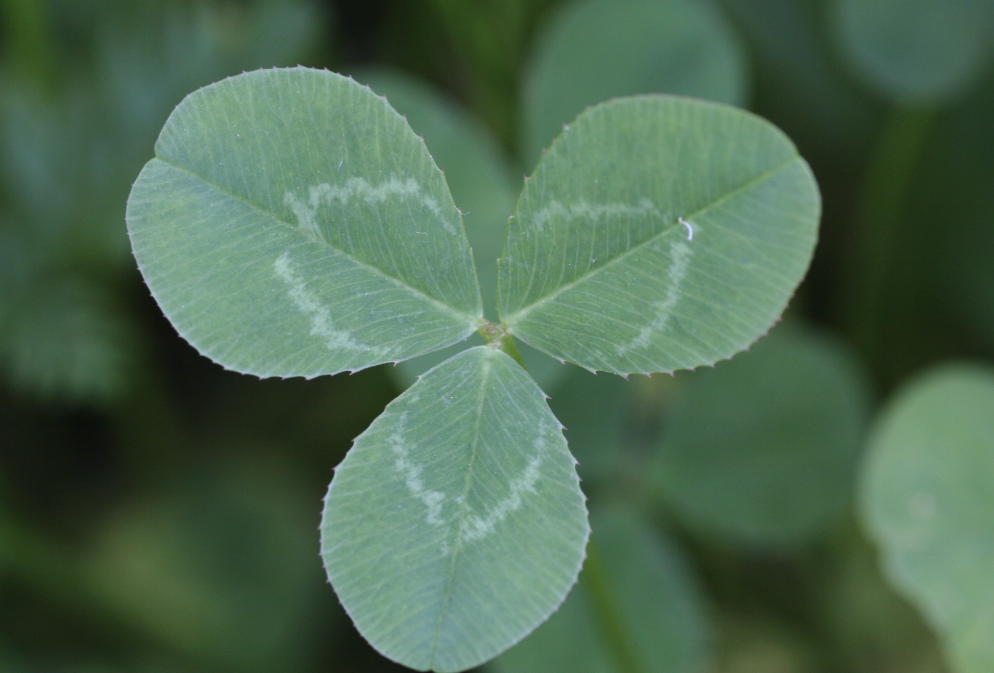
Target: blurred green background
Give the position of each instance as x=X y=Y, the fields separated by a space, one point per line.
x=160 y=514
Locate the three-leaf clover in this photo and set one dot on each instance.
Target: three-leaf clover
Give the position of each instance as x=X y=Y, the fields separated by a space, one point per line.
x=292 y=224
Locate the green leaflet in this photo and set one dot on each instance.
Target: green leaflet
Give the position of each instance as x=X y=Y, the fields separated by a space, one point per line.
x=916 y=50
x=658 y=233
x=638 y=608
x=927 y=499
x=456 y=523
x=600 y=49
x=292 y=224
x=762 y=450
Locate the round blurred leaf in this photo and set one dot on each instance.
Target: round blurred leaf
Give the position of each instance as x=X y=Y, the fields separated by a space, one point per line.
x=763 y=449
x=594 y=50
x=927 y=498
x=917 y=50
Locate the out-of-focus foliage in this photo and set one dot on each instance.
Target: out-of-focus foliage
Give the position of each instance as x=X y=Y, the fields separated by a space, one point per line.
x=927 y=493
x=917 y=50
x=763 y=449
x=159 y=514
x=219 y=566
x=594 y=50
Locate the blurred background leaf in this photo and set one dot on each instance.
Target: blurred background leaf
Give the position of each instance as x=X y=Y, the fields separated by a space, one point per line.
x=916 y=50
x=928 y=491
x=763 y=449
x=594 y=50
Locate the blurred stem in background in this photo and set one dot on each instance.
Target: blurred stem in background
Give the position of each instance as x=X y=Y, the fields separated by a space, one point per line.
x=877 y=224
x=609 y=614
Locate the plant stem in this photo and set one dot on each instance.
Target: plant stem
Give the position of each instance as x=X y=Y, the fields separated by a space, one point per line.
x=608 y=613
x=501 y=338
x=878 y=221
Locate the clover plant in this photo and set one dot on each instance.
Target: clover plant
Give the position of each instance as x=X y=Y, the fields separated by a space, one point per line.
x=292 y=224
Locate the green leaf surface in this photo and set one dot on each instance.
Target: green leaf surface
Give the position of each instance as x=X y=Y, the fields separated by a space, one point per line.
x=658 y=233
x=927 y=499
x=456 y=523
x=916 y=50
x=292 y=224
x=763 y=449
x=637 y=609
x=483 y=185
x=599 y=49
x=484 y=189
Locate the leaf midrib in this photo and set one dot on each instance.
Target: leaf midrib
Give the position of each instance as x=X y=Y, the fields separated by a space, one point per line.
x=459 y=536
x=320 y=241
x=749 y=184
